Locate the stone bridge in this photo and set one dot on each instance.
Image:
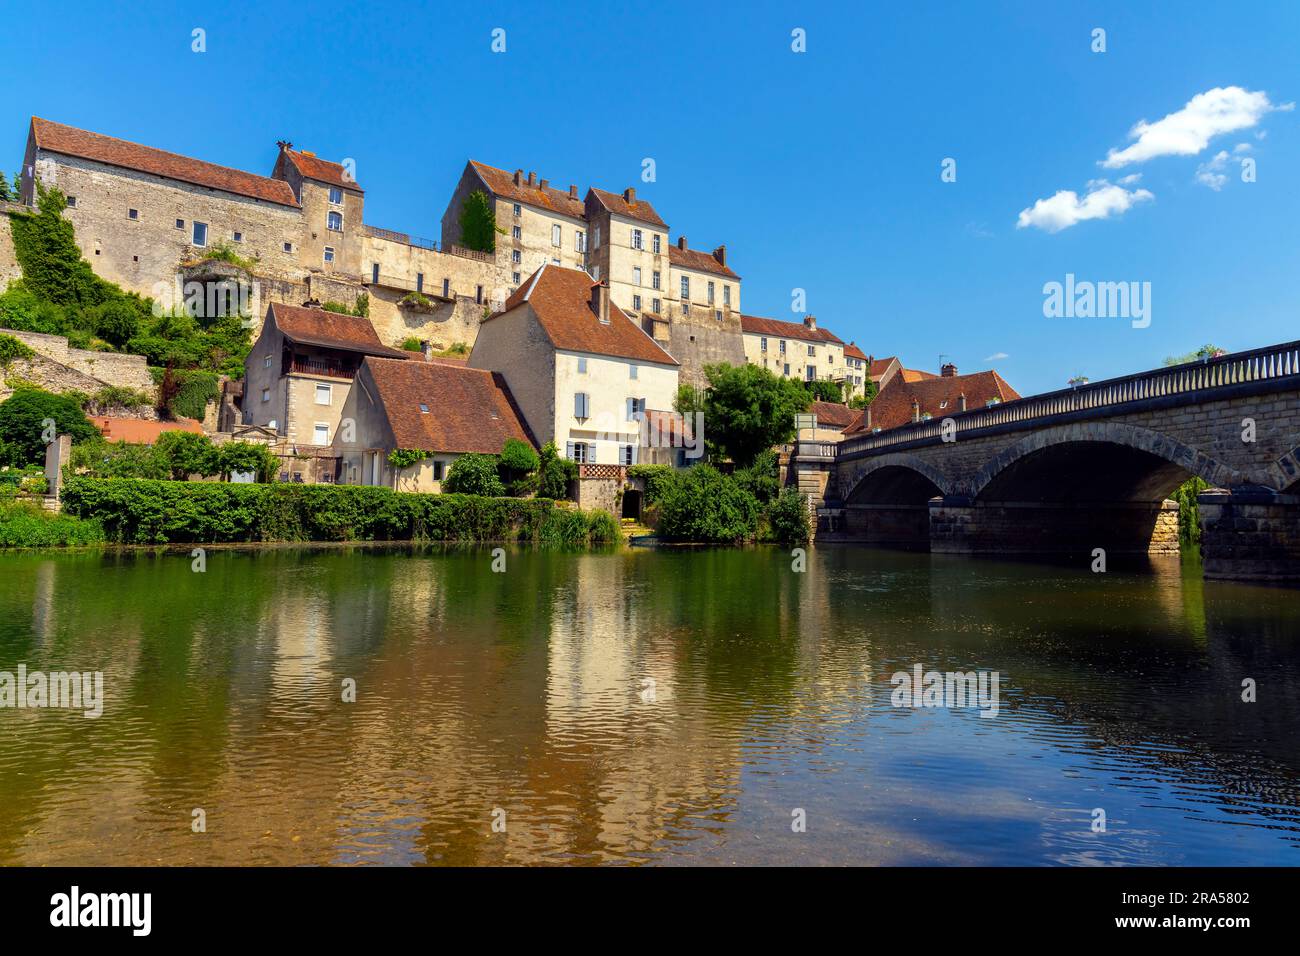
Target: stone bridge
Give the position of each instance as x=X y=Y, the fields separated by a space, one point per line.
x=1089 y=467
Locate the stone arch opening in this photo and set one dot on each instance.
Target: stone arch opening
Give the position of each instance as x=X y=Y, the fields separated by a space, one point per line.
x=888 y=505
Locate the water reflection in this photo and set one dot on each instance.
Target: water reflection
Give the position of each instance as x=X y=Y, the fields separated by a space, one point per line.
x=639 y=706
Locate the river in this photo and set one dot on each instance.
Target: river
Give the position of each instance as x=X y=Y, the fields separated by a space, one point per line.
x=686 y=706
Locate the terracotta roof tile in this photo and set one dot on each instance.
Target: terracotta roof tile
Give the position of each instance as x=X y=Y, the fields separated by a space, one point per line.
x=640 y=209
x=699 y=261
x=880 y=366
x=350 y=333
x=937 y=395
x=915 y=375
x=502 y=184
x=70 y=141
x=138 y=431
x=561 y=299
x=469 y=409
x=322 y=170
x=833 y=414
x=758 y=325
x=852 y=351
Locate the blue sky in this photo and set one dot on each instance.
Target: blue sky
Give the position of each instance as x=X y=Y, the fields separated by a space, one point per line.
x=819 y=170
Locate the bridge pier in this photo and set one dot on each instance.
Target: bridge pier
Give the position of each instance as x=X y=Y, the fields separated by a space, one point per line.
x=960 y=526
x=887 y=525
x=1250 y=533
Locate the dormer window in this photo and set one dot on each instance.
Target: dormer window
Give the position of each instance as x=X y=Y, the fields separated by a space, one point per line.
x=424 y=409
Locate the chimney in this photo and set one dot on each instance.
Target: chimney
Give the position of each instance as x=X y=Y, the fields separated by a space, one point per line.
x=573 y=191
x=916 y=410
x=961 y=402
x=519 y=177
x=284 y=144
x=810 y=320
x=426 y=349
x=720 y=254
x=681 y=242
x=532 y=178
x=311 y=304
x=545 y=183
x=948 y=370
x=600 y=301
x=629 y=196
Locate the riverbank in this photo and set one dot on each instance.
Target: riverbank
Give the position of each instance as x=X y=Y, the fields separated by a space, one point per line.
x=146 y=512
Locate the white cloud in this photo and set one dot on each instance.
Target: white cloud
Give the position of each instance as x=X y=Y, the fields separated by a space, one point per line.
x=1066 y=208
x=996 y=357
x=1130 y=179
x=1211 y=173
x=1242 y=148
x=1189 y=130
x=979 y=230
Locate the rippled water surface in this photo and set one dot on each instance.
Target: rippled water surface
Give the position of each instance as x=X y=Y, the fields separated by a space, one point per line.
x=644 y=707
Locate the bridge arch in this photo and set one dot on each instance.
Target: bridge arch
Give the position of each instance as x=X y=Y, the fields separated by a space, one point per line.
x=1139 y=464
x=1286 y=472
x=898 y=478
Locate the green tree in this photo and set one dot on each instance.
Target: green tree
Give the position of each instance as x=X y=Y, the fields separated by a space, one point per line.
x=704 y=505
x=474 y=474
x=747 y=410
x=23 y=423
x=823 y=390
x=554 y=473
x=187 y=453
x=787 y=518
x=478 y=223
x=116 y=322
x=869 y=392
x=246 y=456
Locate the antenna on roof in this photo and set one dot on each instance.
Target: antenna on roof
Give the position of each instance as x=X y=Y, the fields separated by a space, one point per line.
x=284 y=144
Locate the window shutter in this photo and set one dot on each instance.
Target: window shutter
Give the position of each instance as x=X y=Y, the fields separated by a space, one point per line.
x=568 y=450
x=591 y=452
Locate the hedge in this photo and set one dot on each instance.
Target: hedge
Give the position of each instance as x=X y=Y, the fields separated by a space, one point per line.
x=142 y=511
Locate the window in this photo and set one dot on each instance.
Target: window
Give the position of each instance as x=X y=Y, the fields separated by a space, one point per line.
x=686 y=287
x=598 y=237
x=515 y=278
x=329 y=253
x=266 y=393
x=320 y=435
x=478 y=294
x=717 y=314
x=518 y=210
x=577 y=451
x=655 y=304
x=686 y=308
x=579 y=241
x=133 y=214
x=812 y=372
x=200 y=235
x=180 y=223
x=322 y=394
x=581 y=405
x=627 y=454
x=334 y=221
x=654 y=279
x=424 y=409
x=516 y=232
x=266 y=362
x=632 y=371
x=710 y=293
x=636 y=302
x=446 y=288
x=582 y=366
x=419 y=282
x=726 y=295
x=239 y=237
x=595 y=273
x=762 y=344
x=439 y=470
x=72 y=201
x=556 y=235
x=636 y=275
x=656 y=243
x=943 y=404
x=555 y=262
x=636 y=239
x=782 y=349
x=336 y=196
x=635 y=409
x=374 y=273
x=516 y=256
x=288 y=247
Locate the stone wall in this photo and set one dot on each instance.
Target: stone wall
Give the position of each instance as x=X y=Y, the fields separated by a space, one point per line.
x=1035 y=528
x=59 y=368
x=1250 y=535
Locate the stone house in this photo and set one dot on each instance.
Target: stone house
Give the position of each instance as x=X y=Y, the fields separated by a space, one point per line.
x=797 y=350
x=442 y=408
x=583 y=373
x=300 y=371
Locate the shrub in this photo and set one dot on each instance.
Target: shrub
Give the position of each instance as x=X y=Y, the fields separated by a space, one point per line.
x=787 y=518
x=104 y=459
x=701 y=504
x=185 y=393
x=22 y=423
x=412 y=344
x=519 y=456
x=554 y=473
x=655 y=477
x=474 y=474
x=12 y=349
x=1189 y=520
x=186 y=453
x=153 y=512
x=116 y=322
x=25 y=524
x=118 y=396
x=246 y=456
x=760 y=478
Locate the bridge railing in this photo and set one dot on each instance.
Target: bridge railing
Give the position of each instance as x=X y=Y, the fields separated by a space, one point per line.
x=1275 y=361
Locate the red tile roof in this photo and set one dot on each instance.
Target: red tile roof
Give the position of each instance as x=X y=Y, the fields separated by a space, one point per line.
x=852 y=351
x=775 y=328
x=880 y=366
x=469 y=409
x=833 y=414
x=561 y=299
x=138 y=431
x=915 y=375
x=502 y=184
x=938 y=395
x=700 y=261
x=640 y=209
x=312 y=166
x=350 y=333
x=70 y=141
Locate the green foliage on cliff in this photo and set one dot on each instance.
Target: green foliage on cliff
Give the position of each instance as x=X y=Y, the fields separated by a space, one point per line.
x=11 y=349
